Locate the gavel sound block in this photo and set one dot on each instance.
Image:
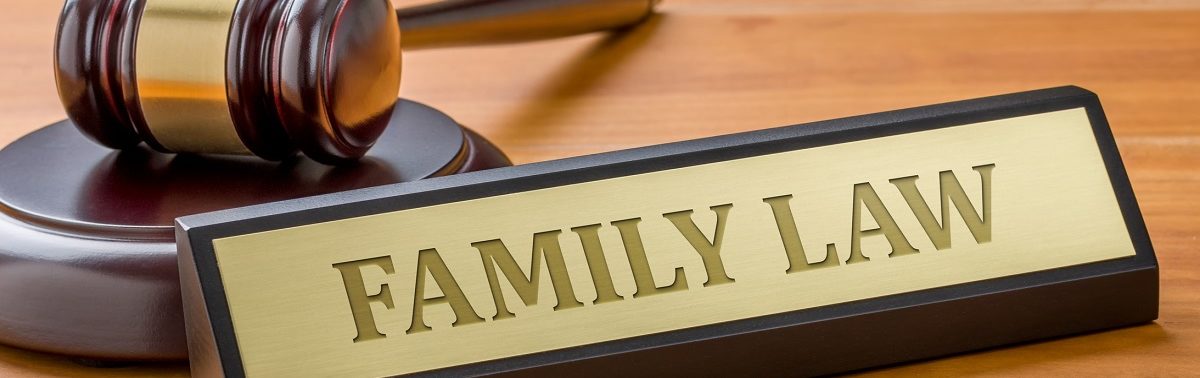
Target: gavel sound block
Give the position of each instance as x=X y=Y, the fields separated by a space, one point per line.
x=87 y=243
x=87 y=249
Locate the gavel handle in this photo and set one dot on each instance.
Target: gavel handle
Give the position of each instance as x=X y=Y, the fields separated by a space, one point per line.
x=474 y=22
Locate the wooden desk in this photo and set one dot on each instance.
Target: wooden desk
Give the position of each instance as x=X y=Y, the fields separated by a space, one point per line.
x=709 y=67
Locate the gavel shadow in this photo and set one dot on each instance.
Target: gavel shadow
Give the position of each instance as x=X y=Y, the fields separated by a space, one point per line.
x=576 y=78
x=142 y=187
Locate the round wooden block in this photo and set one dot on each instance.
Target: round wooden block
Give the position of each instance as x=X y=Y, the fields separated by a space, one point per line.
x=87 y=246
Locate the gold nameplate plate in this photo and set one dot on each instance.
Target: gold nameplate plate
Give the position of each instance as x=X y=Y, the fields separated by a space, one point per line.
x=802 y=250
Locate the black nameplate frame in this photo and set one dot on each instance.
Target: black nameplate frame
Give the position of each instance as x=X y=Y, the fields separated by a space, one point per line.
x=282 y=288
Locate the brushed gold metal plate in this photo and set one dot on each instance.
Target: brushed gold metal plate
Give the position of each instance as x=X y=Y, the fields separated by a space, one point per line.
x=661 y=251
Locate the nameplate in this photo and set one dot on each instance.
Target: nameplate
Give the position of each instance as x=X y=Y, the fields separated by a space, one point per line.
x=610 y=257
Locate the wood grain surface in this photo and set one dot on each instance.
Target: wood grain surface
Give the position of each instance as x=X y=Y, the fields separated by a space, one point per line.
x=711 y=67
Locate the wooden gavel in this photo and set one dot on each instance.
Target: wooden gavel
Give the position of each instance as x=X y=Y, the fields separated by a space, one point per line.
x=270 y=77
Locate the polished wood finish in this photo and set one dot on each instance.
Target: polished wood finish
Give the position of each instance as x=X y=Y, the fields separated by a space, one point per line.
x=317 y=76
x=334 y=73
x=90 y=44
x=320 y=79
x=87 y=244
x=478 y=22
x=251 y=94
x=711 y=67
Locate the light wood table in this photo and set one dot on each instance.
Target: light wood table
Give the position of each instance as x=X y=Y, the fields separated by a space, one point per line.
x=709 y=67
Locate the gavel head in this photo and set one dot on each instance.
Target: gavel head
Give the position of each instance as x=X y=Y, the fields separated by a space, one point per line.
x=262 y=77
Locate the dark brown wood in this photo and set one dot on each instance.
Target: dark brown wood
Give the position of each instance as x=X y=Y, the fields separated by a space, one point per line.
x=335 y=71
x=83 y=67
x=476 y=22
x=251 y=95
x=322 y=79
x=582 y=96
x=126 y=70
x=87 y=248
x=318 y=76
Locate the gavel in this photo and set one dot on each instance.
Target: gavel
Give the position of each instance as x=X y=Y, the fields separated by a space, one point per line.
x=273 y=77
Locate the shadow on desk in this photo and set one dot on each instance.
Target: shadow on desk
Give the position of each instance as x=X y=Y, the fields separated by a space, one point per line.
x=1022 y=358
